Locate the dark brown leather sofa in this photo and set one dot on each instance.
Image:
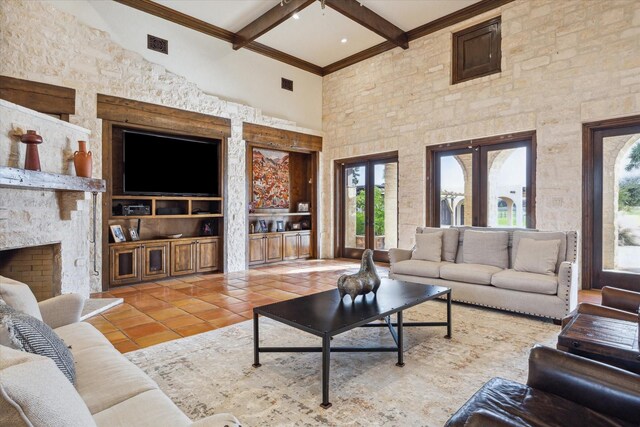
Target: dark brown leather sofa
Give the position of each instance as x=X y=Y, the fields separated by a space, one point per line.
x=561 y=390
x=616 y=304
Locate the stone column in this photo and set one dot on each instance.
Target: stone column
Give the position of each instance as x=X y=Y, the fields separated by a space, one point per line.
x=391 y=205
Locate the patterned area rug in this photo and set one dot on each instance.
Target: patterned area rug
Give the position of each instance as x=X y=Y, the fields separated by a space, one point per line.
x=211 y=372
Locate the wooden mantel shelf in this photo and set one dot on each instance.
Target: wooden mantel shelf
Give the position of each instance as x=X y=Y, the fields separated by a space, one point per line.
x=27 y=179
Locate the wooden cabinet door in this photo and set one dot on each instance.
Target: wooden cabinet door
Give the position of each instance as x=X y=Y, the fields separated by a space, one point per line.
x=155 y=261
x=208 y=255
x=304 y=245
x=183 y=257
x=125 y=265
x=257 y=250
x=290 y=246
x=274 y=247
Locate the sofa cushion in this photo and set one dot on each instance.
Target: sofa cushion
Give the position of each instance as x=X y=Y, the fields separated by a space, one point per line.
x=537 y=256
x=428 y=247
x=29 y=334
x=151 y=408
x=449 y=241
x=526 y=282
x=486 y=247
x=19 y=296
x=106 y=378
x=80 y=336
x=33 y=392
x=479 y=274
x=415 y=267
x=541 y=235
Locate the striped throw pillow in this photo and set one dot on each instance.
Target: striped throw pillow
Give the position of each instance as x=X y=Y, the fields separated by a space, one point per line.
x=29 y=334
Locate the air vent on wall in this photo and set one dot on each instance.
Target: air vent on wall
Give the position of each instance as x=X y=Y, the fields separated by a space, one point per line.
x=157 y=44
x=287 y=84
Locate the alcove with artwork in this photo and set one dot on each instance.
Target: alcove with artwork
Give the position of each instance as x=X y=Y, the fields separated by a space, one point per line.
x=282 y=179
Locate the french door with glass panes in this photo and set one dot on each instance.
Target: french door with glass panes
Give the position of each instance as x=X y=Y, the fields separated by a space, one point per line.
x=488 y=182
x=367 y=206
x=611 y=254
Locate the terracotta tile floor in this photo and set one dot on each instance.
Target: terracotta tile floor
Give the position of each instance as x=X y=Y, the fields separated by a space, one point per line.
x=178 y=307
x=166 y=310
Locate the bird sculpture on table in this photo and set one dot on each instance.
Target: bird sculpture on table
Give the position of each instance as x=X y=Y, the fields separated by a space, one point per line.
x=361 y=283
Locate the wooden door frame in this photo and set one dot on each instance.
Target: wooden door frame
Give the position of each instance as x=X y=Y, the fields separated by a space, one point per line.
x=338 y=167
x=589 y=197
x=511 y=140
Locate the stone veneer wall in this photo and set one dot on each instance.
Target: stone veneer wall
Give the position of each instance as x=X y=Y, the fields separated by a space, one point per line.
x=65 y=52
x=30 y=218
x=563 y=63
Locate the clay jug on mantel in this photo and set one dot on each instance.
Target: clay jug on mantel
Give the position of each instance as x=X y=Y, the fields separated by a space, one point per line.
x=82 y=160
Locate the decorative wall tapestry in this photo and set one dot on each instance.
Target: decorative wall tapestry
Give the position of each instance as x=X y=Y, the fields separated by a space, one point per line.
x=270 y=179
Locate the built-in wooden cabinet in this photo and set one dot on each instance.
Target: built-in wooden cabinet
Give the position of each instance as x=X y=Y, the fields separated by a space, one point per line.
x=141 y=261
x=276 y=247
x=208 y=255
x=155 y=261
x=183 y=257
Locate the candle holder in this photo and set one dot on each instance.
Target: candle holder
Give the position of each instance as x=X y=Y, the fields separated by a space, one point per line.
x=32 y=139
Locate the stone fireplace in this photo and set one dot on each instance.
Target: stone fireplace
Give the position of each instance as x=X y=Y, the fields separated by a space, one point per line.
x=46 y=235
x=37 y=266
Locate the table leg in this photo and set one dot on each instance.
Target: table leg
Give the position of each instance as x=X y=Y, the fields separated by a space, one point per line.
x=326 y=352
x=256 y=342
x=400 y=341
x=448 y=315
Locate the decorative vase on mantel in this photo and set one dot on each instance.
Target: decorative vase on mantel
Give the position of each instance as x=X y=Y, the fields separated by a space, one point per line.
x=32 y=159
x=82 y=160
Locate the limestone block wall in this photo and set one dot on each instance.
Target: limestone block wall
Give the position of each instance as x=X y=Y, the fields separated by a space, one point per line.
x=563 y=63
x=64 y=51
x=30 y=218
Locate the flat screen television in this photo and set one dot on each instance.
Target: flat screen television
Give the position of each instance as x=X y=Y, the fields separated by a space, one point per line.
x=156 y=164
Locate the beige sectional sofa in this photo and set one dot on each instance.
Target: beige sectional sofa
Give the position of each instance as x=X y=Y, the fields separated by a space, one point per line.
x=488 y=276
x=109 y=390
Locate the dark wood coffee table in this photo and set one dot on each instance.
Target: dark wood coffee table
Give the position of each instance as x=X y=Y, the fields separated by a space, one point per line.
x=325 y=315
x=611 y=341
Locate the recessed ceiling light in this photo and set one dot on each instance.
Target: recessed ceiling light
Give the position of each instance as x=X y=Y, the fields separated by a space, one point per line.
x=296 y=16
x=343 y=40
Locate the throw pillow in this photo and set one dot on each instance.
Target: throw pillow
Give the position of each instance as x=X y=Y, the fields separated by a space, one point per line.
x=449 y=241
x=428 y=247
x=19 y=296
x=486 y=247
x=29 y=334
x=537 y=256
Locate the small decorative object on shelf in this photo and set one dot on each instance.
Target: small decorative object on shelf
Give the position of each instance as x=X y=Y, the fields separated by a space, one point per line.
x=252 y=228
x=133 y=233
x=279 y=226
x=82 y=160
x=206 y=228
x=117 y=233
x=305 y=224
x=32 y=160
x=296 y=226
x=364 y=281
x=303 y=207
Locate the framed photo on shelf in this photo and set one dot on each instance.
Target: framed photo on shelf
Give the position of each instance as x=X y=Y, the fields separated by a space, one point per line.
x=296 y=226
x=117 y=233
x=207 y=227
x=305 y=224
x=279 y=226
x=133 y=233
x=262 y=226
x=303 y=207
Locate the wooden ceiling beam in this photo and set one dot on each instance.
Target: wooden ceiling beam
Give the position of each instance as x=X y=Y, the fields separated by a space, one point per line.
x=156 y=9
x=421 y=31
x=364 y=16
x=271 y=19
